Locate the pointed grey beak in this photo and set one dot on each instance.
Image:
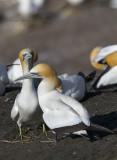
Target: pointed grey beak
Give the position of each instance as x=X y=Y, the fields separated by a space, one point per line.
x=29 y=76
x=27 y=56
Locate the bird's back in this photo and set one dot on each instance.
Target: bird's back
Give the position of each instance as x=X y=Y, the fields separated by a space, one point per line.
x=58 y=112
x=73 y=86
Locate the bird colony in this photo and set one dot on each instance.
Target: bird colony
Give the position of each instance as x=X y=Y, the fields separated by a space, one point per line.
x=57 y=96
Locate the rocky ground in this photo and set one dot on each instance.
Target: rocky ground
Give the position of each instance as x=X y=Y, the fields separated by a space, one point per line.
x=63 y=39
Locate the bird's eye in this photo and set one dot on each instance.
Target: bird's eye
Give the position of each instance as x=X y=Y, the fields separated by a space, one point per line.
x=31 y=53
x=24 y=55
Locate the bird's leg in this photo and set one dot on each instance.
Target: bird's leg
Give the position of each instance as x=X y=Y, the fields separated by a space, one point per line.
x=44 y=129
x=92 y=138
x=20 y=129
x=56 y=138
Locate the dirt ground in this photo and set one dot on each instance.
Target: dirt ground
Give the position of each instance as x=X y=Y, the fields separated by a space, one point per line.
x=63 y=39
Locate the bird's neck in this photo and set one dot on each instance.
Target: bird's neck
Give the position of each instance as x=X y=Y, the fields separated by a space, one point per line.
x=28 y=85
x=46 y=86
x=59 y=84
x=27 y=66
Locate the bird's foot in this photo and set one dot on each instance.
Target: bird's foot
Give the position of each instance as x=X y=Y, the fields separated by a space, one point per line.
x=44 y=129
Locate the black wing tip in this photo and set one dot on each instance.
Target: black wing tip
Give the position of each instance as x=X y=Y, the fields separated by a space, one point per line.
x=91 y=76
x=81 y=126
x=100 y=128
x=81 y=74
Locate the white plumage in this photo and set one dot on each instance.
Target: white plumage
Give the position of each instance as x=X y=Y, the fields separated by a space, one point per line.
x=26 y=106
x=61 y=113
x=104 y=52
x=73 y=86
x=58 y=109
x=15 y=71
x=109 y=78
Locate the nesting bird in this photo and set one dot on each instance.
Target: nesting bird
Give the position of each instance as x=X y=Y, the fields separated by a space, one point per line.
x=105 y=56
x=3 y=78
x=74 y=86
x=26 y=106
x=105 y=59
x=61 y=113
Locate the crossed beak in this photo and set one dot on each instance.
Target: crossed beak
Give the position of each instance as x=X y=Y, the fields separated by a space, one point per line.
x=27 y=56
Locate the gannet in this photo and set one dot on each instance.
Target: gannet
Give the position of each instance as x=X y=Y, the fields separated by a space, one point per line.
x=113 y=4
x=108 y=57
x=74 y=86
x=103 y=53
x=29 y=8
x=96 y=65
x=26 y=106
x=16 y=71
x=3 y=78
x=61 y=113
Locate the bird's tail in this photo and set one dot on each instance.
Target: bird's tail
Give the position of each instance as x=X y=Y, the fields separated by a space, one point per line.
x=81 y=126
x=90 y=76
x=81 y=74
x=96 y=127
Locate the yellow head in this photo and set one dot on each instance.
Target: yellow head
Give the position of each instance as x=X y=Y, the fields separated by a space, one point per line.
x=31 y=51
x=44 y=71
x=47 y=71
x=27 y=57
x=111 y=59
x=95 y=52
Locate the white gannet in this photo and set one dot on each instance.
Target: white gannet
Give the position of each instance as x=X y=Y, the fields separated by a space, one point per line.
x=29 y=8
x=16 y=71
x=113 y=4
x=61 y=113
x=103 y=53
x=26 y=106
x=74 y=86
x=3 y=78
x=108 y=58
